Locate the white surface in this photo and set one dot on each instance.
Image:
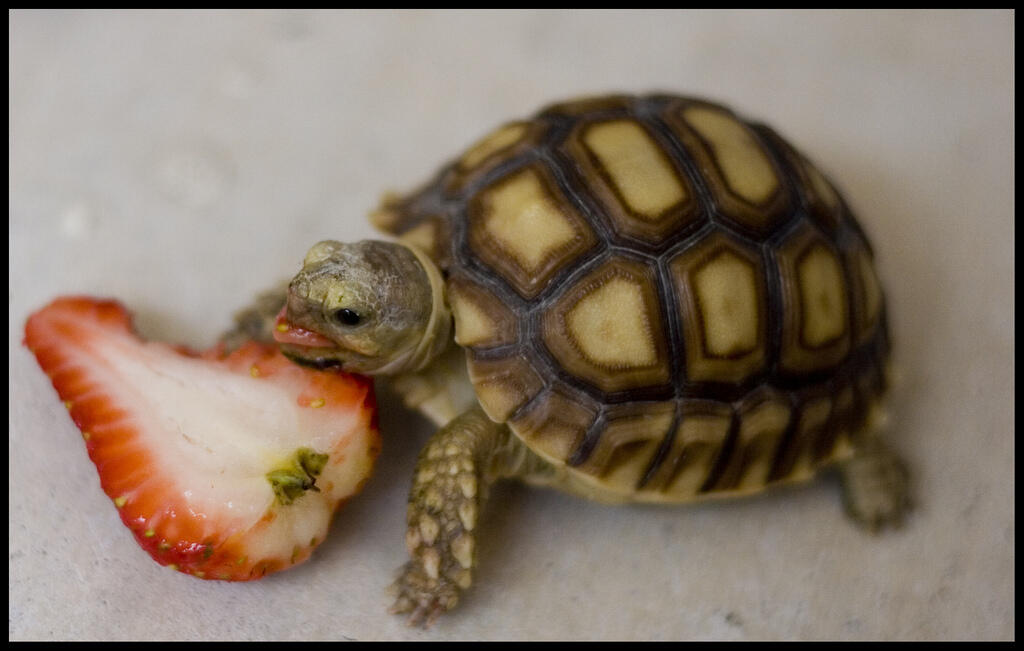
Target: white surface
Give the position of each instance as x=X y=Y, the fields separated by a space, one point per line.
x=183 y=161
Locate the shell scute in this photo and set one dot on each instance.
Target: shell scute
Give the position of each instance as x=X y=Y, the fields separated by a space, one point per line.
x=721 y=285
x=522 y=227
x=504 y=385
x=607 y=328
x=627 y=443
x=641 y=189
x=491 y=151
x=696 y=444
x=555 y=423
x=816 y=330
x=743 y=177
x=763 y=419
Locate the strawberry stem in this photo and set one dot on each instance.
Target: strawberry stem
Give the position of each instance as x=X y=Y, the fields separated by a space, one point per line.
x=299 y=475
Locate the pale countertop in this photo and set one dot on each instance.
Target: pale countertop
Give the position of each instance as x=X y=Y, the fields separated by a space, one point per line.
x=181 y=161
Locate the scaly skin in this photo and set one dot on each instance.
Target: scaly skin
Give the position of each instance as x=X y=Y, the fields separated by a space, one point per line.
x=381 y=304
x=453 y=477
x=447 y=493
x=875 y=483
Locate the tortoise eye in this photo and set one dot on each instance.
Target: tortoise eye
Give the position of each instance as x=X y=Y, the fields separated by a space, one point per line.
x=347 y=317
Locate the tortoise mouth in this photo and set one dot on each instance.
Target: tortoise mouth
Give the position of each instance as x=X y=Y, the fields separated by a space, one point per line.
x=304 y=346
x=319 y=363
x=290 y=334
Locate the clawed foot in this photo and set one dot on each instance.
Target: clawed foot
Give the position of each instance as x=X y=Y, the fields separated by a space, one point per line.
x=876 y=488
x=255 y=322
x=424 y=598
x=441 y=520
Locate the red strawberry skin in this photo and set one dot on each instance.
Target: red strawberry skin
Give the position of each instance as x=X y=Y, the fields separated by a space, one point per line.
x=183 y=442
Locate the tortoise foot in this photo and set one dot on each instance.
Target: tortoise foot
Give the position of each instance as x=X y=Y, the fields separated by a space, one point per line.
x=422 y=597
x=876 y=487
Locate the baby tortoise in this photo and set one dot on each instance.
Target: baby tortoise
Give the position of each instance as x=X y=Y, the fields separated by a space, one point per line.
x=657 y=301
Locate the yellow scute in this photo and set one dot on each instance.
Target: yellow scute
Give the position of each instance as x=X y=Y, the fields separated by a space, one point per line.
x=822 y=296
x=472 y=324
x=727 y=290
x=872 y=291
x=422 y=237
x=491 y=144
x=610 y=326
x=748 y=171
x=822 y=187
x=637 y=167
x=526 y=222
x=498 y=400
x=760 y=433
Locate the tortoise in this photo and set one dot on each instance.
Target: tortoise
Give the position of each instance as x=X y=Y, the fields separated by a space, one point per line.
x=654 y=301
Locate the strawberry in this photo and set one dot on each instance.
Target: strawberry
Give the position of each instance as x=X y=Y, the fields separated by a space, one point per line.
x=222 y=466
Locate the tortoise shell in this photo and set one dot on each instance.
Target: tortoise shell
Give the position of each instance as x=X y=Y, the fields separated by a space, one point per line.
x=666 y=299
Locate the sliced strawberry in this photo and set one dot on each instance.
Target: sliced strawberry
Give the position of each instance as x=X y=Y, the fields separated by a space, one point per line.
x=224 y=467
x=289 y=333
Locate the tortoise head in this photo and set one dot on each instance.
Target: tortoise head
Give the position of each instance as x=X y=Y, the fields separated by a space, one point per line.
x=369 y=307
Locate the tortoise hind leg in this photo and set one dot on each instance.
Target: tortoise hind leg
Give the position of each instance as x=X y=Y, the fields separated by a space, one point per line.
x=255 y=322
x=875 y=485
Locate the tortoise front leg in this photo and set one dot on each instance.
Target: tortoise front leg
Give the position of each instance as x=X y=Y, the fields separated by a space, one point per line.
x=453 y=474
x=255 y=322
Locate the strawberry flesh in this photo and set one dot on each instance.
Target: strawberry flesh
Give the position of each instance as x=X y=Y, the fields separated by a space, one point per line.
x=223 y=467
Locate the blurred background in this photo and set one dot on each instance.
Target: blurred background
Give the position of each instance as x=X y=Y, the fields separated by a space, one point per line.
x=183 y=161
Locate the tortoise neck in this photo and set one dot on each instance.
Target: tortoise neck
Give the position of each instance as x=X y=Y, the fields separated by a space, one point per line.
x=436 y=334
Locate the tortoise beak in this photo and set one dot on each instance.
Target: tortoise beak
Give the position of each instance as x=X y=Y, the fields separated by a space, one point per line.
x=319 y=363
x=286 y=332
x=304 y=346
